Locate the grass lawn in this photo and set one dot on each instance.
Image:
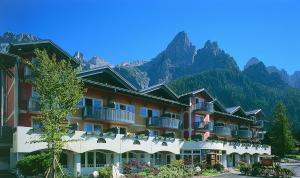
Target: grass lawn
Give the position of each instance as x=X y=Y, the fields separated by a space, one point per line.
x=296 y=157
x=209 y=172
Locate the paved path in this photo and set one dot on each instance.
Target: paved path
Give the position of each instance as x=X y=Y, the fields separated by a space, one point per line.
x=292 y=166
x=231 y=175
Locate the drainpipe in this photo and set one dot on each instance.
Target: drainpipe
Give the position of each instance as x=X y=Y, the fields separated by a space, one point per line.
x=2 y=100
x=16 y=93
x=190 y=118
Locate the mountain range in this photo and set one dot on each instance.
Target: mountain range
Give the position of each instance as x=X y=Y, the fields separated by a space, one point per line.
x=185 y=68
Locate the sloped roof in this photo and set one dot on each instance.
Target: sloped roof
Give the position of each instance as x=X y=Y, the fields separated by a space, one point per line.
x=106 y=74
x=160 y=90
x=132 y=92
x=7 y=61
x=253 y=112
x=202 y=90
x=28 y=47
x=256 y=112
x=219 y=105
x=235 y=109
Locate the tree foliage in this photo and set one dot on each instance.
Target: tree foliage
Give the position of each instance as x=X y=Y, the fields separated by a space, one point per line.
x=234 y=88
x=34 y=164
x=282 y=141
x=59 y=91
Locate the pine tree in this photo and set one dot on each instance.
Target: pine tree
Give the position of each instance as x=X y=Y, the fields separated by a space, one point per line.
x=282 y=141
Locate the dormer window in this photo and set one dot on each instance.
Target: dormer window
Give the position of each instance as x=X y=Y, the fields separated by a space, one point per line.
x=199 y=100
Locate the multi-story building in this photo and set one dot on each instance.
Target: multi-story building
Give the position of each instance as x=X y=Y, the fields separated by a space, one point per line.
x=116 y=123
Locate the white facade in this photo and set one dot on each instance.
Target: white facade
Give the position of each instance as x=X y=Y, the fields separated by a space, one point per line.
x=118 y=144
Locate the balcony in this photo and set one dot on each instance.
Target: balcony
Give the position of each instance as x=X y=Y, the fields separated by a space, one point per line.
x=33 y=105
x=222 y=131
x=109 y=114
x=258 y=124
x=247 y=134
x=204 y=107
x=201 y=126
x=164 y=122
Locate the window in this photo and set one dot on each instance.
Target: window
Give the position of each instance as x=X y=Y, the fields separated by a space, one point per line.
x=63 y=159
x=199 y=100
x=82 y=159
x=198 y=118
x=143 y=112
x=34 y=94
x=122 y=107
x=130 y=108
x=88 y=127
x=36 y=124
x=155 y=113
x=81 y=103
x=90 y=159
x=172 y=115
x=100 y=159
x=97 y=103
x=27 y=71
x=153 y=133
x=98 y=129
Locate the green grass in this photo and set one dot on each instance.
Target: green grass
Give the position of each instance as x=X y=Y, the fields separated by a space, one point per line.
x=209 y=172
x=296 y=157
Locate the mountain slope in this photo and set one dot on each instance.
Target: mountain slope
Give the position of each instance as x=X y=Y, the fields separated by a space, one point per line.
x=179 y=52
x=182 y=58
x=259 y=73
x=235 y=88
x=9 y=37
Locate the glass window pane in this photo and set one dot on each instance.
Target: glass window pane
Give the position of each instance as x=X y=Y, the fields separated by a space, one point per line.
x=36 y=124
x=155 y=113
x=91 y=158
x=82 y=159
x=97 y=103
x=98 y=129
x=122 y=107
x=81 y=103
x=34 y=94
x=100 y=159
x=88 y=127
x=198 y=118
x=143 y=112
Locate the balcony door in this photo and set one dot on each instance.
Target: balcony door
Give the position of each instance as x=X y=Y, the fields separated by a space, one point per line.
x=198 y=121
x=93 y=106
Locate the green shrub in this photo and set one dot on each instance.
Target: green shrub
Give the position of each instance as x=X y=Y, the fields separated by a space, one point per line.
x=106 y=171
x=218 y=167
x=209 y=172
x=286 y=173
x=256 y=169
x=177 y=168
x=34 y=164
x=245 y=169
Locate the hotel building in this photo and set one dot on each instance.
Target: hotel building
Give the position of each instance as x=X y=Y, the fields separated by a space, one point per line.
x=116 y=123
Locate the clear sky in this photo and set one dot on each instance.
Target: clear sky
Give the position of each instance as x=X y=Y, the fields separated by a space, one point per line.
x=118 y=30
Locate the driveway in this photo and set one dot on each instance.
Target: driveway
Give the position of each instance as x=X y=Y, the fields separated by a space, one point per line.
x=292 y=166
x=231 y=175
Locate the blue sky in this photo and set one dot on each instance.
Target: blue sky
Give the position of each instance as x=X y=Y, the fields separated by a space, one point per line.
x=139 y=29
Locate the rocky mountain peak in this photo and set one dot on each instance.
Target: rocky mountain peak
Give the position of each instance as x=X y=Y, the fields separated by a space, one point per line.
x=252 y=61
x=180 y=40
x=79 y=56
x=212 y=47
x=96 y=61
x=10 y=37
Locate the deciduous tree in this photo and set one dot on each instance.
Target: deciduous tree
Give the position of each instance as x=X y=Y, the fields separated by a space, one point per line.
x=59 y=91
